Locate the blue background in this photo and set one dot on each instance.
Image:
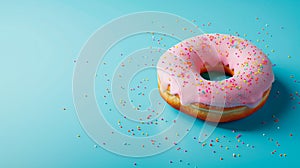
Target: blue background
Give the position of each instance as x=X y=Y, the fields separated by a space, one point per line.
x=39 y=42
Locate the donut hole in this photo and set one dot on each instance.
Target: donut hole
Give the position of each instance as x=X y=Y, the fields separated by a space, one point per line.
x=216 y=73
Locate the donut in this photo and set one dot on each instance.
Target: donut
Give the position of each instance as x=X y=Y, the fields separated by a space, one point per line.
x=245 y=90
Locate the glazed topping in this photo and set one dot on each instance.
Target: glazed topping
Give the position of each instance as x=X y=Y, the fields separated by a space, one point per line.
x=181 y=65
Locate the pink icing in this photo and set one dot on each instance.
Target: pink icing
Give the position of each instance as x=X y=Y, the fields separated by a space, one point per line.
x=179 y=68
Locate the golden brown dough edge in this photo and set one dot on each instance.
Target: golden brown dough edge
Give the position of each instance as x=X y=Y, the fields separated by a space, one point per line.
x=201 y=110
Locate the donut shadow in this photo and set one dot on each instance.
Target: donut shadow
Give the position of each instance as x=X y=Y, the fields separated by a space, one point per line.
x=265 y=117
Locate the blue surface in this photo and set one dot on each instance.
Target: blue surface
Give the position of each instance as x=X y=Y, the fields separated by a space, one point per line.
x=40 y=41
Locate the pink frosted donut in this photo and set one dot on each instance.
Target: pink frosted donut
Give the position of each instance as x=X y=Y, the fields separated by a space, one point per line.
x=183 y=87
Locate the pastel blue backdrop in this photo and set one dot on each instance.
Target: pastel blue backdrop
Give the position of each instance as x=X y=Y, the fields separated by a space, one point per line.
x=39 y=41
